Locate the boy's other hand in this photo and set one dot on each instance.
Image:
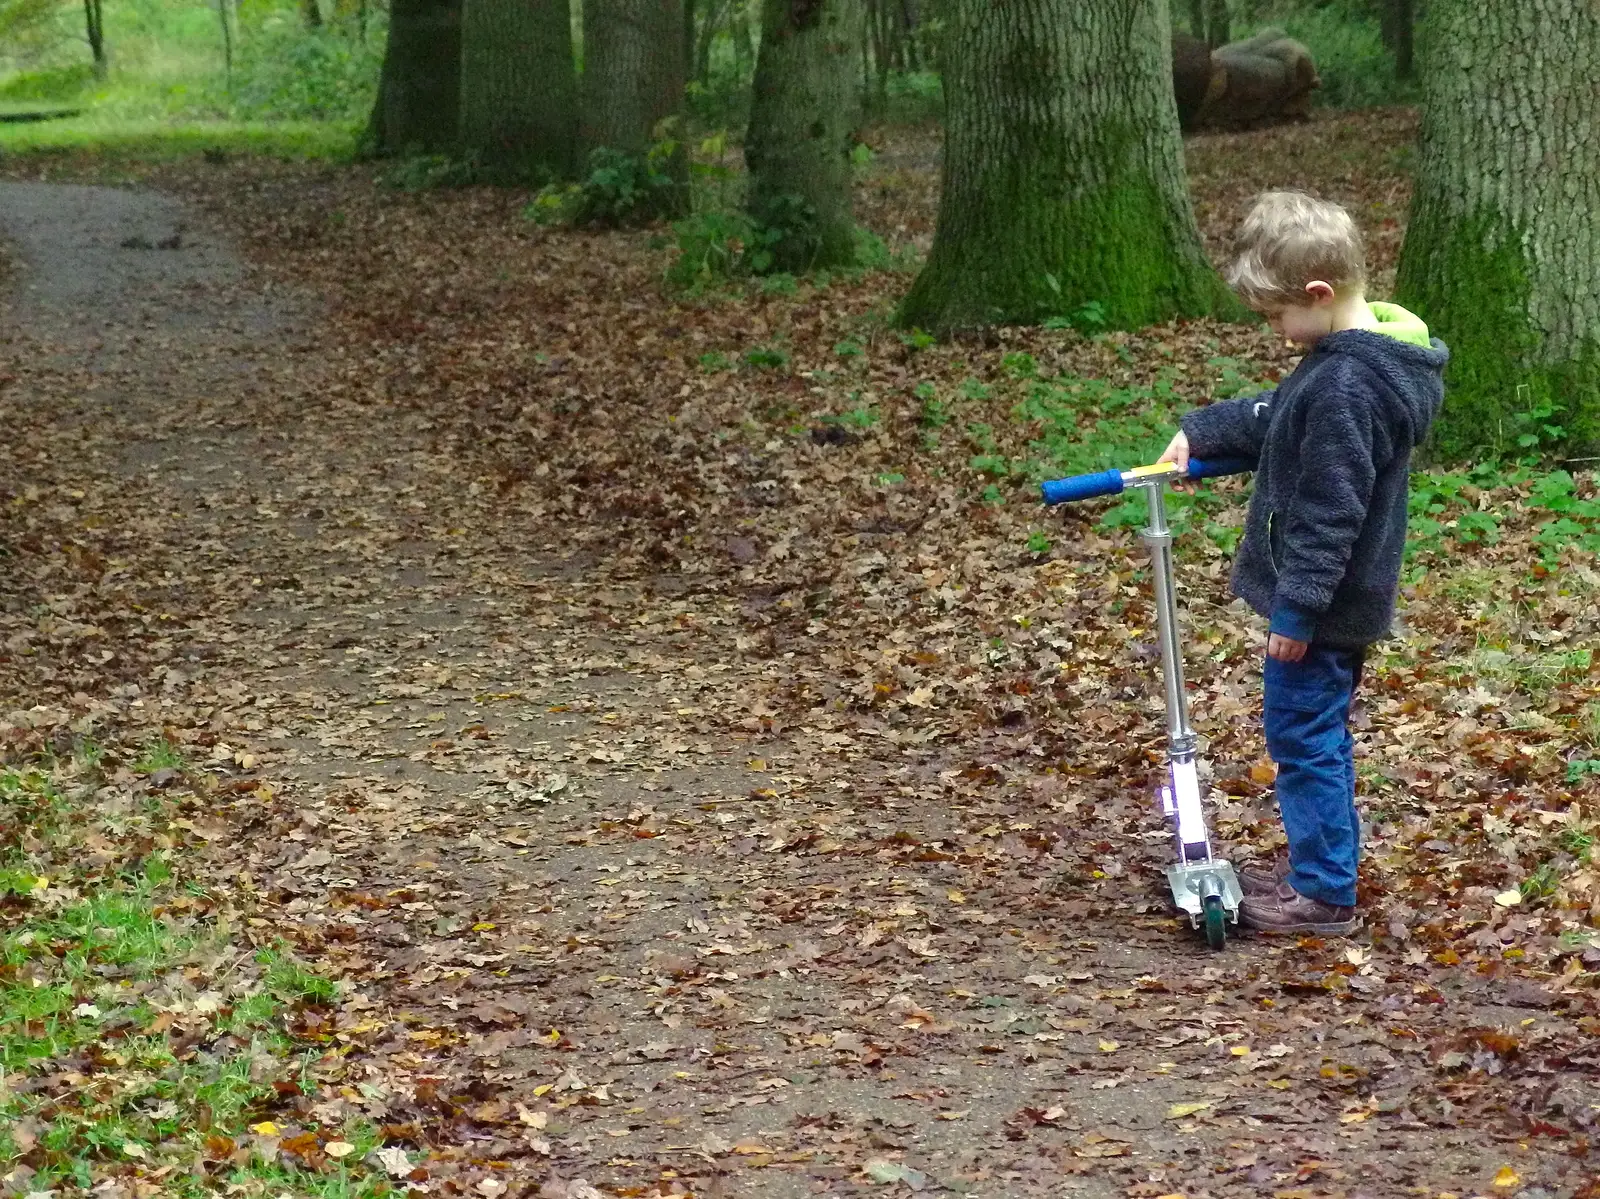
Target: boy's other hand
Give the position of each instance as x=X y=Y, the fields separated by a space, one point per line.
x=1285 y=649
x=1177 y=452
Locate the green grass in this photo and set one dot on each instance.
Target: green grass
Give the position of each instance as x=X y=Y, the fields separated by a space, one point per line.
x=135 y=1031
x=154 y=139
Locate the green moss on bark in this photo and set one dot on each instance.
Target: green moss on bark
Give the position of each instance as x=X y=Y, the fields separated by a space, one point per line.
x=1030 y=256
x=1469 y=280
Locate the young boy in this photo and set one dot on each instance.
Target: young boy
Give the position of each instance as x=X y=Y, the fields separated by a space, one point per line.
x=1320 y=557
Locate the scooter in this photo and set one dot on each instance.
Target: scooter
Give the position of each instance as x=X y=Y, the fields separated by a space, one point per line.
x=1203 y=886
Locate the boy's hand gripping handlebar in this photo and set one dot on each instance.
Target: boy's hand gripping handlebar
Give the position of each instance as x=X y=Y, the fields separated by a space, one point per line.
x=1114 y=482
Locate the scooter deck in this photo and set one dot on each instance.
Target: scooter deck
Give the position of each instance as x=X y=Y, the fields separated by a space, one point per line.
x=1192 y=882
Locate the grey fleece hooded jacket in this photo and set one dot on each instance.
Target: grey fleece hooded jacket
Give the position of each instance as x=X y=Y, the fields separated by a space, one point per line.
x=1323 y=542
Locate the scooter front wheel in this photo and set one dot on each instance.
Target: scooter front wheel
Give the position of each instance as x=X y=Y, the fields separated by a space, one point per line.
x=1216 y=922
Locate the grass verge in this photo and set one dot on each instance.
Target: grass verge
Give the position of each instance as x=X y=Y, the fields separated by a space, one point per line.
x=145 y=1043
x=159 y=141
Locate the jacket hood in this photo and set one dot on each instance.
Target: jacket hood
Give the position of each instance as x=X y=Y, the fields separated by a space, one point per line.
x=1407 y=361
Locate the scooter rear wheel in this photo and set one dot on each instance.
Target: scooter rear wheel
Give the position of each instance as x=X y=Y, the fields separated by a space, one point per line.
x=1216 y=922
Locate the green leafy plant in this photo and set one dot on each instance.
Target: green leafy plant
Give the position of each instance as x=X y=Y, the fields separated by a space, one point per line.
x=766 y=358
x=617 y=189
x=426 y=172
x=1582 y=768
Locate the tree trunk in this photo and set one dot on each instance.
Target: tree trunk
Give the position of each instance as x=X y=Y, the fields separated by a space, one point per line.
x=95 y=22
x=633 y=71
x=802 y=114
x=708 y=32
x=739 y=29
x=1502 y=255
x=312 y=13
x=1218 y=25
x=519 y=92
x=227 y=41
x=1063 y=178
x=1398 y=22
x=418 y=103
x=1197 y=19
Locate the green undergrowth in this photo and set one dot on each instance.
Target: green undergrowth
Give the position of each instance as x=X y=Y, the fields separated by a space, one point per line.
x=1060 y=425
x=154 y=139
x=159 y=140
x=145 y=1043
x=1356 y=69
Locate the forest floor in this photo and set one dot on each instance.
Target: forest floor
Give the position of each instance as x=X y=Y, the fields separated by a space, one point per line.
x=699 y=763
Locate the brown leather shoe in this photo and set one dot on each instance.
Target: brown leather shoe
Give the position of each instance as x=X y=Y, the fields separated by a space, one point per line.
x=1287 y=911
x=1256 y=880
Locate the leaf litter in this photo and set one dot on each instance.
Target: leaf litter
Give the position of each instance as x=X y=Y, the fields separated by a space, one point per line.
x=696 y=779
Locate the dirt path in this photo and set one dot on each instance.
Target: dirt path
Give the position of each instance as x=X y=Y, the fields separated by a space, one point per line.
x=591 y=926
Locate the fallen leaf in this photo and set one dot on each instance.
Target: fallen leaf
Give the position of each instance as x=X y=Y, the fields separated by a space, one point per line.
x=1179 y=1110
x=882 y=1171
x=393 y=1159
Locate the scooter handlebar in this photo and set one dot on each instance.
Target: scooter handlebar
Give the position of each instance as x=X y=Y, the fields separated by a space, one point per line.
x=1215 y=468
x=1112 y=482
x=1082 y=487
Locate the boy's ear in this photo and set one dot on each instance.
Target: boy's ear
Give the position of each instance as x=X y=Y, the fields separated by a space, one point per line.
x=1319 y=292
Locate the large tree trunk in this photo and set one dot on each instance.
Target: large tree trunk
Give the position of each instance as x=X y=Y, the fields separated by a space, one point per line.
x=519 y=102
x=1063 y=178
x=419 y=90
x=633 y=70
x=802 y=114
x=1502 y=256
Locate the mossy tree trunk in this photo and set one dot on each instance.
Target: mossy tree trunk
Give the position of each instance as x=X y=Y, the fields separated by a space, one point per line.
x=633 y=71
x=519 y=101
x=1502 y=254
x=802 y=114
x=418 y=102
x=1063 y=180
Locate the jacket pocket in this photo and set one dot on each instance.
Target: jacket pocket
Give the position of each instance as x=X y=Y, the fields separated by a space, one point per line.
x=1274 y=539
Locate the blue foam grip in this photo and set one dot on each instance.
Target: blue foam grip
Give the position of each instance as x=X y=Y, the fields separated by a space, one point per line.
x=1214 y=468
x=1082 y=487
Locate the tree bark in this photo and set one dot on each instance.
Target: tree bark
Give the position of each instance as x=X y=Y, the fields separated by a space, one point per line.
x=227 y=41
x=95 y=22
x=1398 y=22
x=418 y=106
x=712 y=21
x=519 y=90
x=802 y=114
x=1063 y=178
x=1218 y=25
x=634 y=71
x=1502 y=254
x=1197 y=19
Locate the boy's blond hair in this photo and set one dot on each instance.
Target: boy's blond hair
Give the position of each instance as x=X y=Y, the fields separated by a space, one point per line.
x=1287 y=240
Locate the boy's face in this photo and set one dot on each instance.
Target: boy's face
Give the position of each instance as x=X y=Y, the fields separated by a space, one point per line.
x=1308 y=322
x=1303 y=324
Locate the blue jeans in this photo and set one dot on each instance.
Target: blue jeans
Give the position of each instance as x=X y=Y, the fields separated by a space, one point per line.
x=1306 y=709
